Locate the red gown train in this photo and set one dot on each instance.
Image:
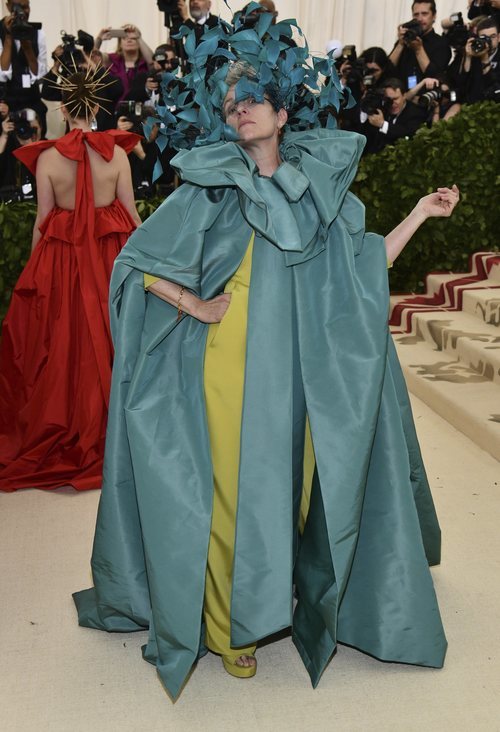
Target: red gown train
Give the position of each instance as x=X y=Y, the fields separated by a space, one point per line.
x=56 y=350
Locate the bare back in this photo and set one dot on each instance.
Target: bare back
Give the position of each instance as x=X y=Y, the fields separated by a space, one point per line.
x=62 y=173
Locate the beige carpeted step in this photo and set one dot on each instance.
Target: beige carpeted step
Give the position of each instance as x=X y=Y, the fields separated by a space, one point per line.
x=448 y=340
x=463 y=337
x=461 y=395
x=483 y=304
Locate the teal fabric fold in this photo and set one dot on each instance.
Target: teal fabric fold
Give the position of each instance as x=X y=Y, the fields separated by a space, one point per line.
x=317 y=345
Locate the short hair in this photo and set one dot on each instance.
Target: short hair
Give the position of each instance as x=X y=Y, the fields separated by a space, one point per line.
x=164 y=48
x=432 y=3
x=394 y=84
x=488 y=22
x=240 y=69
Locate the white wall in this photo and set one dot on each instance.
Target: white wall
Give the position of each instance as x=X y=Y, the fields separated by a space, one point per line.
x=363 y=22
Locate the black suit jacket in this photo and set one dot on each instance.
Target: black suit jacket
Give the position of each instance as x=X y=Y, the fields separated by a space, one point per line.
x=405 y=125
x=438 y=51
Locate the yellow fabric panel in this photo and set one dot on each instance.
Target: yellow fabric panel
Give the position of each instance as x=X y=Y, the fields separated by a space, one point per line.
x=224 y=374
x=150 y=280
x=309 y=465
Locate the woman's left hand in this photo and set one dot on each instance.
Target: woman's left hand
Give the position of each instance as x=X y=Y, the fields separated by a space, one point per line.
x=440 y=203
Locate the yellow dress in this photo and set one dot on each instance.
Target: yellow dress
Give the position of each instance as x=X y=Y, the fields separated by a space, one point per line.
x=224 y=376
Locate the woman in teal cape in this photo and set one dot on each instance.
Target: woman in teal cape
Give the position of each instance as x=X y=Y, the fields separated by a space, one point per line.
x=316 y=349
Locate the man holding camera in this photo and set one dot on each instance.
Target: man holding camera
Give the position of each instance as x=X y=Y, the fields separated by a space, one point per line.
x=419 y=50
x=394 y=119
x=18 y=128
x=146 y=85
x=23 y=58
x=479 y=76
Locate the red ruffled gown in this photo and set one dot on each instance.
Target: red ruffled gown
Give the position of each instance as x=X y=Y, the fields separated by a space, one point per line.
x=56 y=350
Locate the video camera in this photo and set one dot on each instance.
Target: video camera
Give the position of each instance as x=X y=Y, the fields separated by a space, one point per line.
x=413 y=31
x=173 y=19
x=21 y=29
x=74 y=48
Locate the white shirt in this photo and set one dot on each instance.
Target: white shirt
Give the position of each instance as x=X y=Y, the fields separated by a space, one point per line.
x=6 y=75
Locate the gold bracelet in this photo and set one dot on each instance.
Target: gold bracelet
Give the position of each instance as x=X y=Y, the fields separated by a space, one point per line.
x=179 y=309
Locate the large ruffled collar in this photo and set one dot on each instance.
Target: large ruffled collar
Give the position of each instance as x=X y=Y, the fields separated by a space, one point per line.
x=303 y=196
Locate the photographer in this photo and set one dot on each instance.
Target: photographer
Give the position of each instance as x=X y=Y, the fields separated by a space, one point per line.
x=23 y=58
x=132 y=56
x=72 y=52
x=484 y=7
x=199 y=10
x=146 y=85
x=419 y=50
x=19 y=128
x=436 y=97
x=143 y=158
x=394 y=119
x=479 y=76
x=364 y=76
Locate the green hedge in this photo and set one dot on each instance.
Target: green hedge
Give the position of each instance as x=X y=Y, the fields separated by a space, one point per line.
x=464 y=150
x=16 y=229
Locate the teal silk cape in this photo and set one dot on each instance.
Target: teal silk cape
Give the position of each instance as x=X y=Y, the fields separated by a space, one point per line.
x=317 y=335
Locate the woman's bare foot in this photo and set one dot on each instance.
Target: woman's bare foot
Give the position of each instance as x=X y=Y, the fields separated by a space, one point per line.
x=243 y=667
x=245 y=661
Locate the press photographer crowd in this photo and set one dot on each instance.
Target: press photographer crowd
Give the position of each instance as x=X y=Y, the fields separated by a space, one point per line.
x=423 y=80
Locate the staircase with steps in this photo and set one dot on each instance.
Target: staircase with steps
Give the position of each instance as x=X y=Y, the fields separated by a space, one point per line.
x=448 y=341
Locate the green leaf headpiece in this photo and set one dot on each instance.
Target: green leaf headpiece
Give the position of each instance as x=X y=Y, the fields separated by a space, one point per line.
x=306 y=86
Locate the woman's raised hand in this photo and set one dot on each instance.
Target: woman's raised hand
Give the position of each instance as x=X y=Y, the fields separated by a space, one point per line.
x=440 y=203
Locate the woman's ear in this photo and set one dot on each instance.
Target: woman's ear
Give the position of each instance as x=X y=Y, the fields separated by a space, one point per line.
x=282 y=118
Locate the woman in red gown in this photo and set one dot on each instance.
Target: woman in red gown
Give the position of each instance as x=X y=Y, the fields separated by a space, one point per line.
x=56 y=350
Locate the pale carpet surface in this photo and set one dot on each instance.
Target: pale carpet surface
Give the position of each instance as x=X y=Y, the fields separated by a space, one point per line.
x=57 y=677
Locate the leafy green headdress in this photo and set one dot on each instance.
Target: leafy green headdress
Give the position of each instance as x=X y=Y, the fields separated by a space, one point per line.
x=306 y=86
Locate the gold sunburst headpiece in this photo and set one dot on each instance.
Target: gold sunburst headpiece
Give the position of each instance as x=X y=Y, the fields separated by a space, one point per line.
x=80 y=89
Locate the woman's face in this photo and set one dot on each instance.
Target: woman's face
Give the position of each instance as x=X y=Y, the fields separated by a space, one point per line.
x=253 y=121
x=374 y=70
x=130 y=42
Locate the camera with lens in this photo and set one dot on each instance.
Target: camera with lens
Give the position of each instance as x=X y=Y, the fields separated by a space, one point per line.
x=458 y=35
x=20 y=29
x=431 y=97
x=357 y=71
x=373 y=100
x=22 y=119
x=74 y=49
x=481 y=44
x=413 y=31
x=166 y=64
x=132 y=110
